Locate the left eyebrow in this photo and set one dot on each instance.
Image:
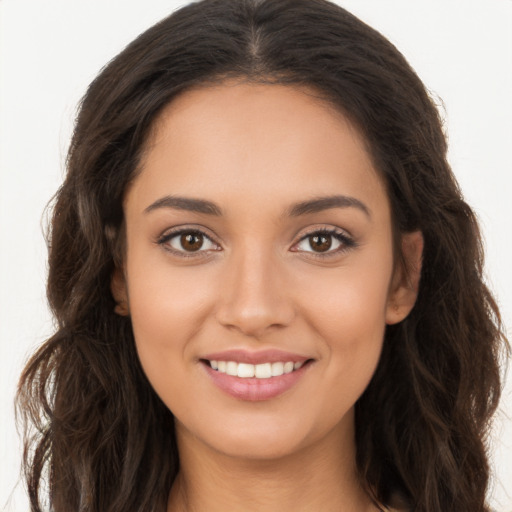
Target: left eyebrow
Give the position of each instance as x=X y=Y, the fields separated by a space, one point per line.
x=319 y=204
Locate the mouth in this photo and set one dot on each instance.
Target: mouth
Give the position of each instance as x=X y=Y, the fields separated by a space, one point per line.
x=265 y=370
x=255 y=376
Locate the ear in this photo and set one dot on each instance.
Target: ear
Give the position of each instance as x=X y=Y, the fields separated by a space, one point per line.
x=406 y=279
x=120 y=292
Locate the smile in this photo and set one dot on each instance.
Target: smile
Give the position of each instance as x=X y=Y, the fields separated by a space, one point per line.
x=258 y=371
x=255 y=376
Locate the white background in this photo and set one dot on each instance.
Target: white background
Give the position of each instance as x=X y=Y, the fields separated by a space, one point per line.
x=50 y=50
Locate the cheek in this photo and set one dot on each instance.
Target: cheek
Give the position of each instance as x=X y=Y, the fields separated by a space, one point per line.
x=166 y=302
x=350 y=319
x=348 y=302
x=351 y=310
x=167 y=307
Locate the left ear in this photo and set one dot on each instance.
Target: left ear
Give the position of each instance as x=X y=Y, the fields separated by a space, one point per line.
x=406 y=279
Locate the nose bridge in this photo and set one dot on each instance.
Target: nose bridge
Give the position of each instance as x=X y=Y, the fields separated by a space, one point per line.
x=254 y=297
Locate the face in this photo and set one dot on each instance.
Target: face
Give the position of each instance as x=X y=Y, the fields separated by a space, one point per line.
x=259 y=272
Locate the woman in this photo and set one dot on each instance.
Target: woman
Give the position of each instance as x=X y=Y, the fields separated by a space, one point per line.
x=267 y=285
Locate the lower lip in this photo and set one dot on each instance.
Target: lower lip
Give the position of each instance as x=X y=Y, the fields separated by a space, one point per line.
x=252 y=389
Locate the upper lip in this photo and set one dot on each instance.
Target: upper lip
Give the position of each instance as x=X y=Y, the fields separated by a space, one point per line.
x=255 y=357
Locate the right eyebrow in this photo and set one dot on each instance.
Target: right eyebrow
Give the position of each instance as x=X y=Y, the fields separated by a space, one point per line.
x=185 y=203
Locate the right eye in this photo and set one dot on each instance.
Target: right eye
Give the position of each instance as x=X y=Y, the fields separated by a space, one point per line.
x=188 y=242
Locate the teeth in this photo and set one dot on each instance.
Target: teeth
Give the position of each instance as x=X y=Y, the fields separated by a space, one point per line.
x=260 y=371
x=232 y=368
x=263 y=371
x=245 y=370
x=277 y=369
x=288 y=367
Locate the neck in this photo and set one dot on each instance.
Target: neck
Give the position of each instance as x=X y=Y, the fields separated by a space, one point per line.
x=321 y=476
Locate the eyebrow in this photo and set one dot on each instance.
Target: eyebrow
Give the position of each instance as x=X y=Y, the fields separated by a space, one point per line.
x=185 y=203
x=296 y=210
x=325 y=203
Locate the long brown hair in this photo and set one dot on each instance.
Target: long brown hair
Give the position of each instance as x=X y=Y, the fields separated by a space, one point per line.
x=97 y=433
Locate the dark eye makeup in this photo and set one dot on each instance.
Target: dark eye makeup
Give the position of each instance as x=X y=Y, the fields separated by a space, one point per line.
x=324 y=243
x=189 y=242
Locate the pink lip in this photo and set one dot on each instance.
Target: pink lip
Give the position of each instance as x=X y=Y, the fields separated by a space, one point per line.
x=253 y=389
x=262 y=356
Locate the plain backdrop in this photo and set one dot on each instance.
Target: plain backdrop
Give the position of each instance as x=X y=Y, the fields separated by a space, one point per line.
x=51 y=50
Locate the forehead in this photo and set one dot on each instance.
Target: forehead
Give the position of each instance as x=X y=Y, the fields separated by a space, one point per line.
x=259 y=141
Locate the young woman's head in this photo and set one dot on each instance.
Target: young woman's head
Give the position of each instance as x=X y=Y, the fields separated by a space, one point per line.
x=264 y=184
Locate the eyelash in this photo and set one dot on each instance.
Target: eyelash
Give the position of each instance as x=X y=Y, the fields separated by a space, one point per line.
x=167 y=237
x=345 y=240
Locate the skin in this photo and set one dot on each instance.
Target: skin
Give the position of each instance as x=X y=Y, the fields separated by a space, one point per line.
x=258 y=283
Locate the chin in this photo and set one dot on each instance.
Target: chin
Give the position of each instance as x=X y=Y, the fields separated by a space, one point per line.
x=256 y=446
x=260 y=437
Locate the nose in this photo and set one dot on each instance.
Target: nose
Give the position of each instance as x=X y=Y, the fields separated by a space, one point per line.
x=254 y=299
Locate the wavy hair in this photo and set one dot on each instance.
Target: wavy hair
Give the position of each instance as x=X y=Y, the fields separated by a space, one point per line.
x=97 y=437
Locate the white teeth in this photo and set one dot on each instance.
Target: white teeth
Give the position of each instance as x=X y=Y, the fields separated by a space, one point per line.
x=288 y=367
x=263 y=371
x=245 y=370
x=260 y=371
x=232 y=368
x=277 y=369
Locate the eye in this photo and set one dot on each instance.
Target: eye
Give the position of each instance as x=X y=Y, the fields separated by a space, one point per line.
x=188 y=241
x=325 y=242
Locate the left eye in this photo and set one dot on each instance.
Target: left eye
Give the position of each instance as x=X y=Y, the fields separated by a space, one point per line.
x=189 y=241
x=323 y=242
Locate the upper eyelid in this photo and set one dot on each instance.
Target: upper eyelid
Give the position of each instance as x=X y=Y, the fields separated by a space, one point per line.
x=171 y=233
x=346 y=236
x=326 y=229
x=205 y=231
x=299 y=237
x=342 y=236
x=177 y=230
x=164 y=241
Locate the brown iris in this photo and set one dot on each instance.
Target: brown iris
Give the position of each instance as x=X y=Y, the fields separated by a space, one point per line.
x=191 y=241
x=320 y=243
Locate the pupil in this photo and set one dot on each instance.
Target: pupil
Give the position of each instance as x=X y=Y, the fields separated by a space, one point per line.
x=192 y=241
x=320 y=243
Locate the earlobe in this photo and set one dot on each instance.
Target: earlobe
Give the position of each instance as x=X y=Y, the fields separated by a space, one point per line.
x=406 y=279
x=119 y=292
